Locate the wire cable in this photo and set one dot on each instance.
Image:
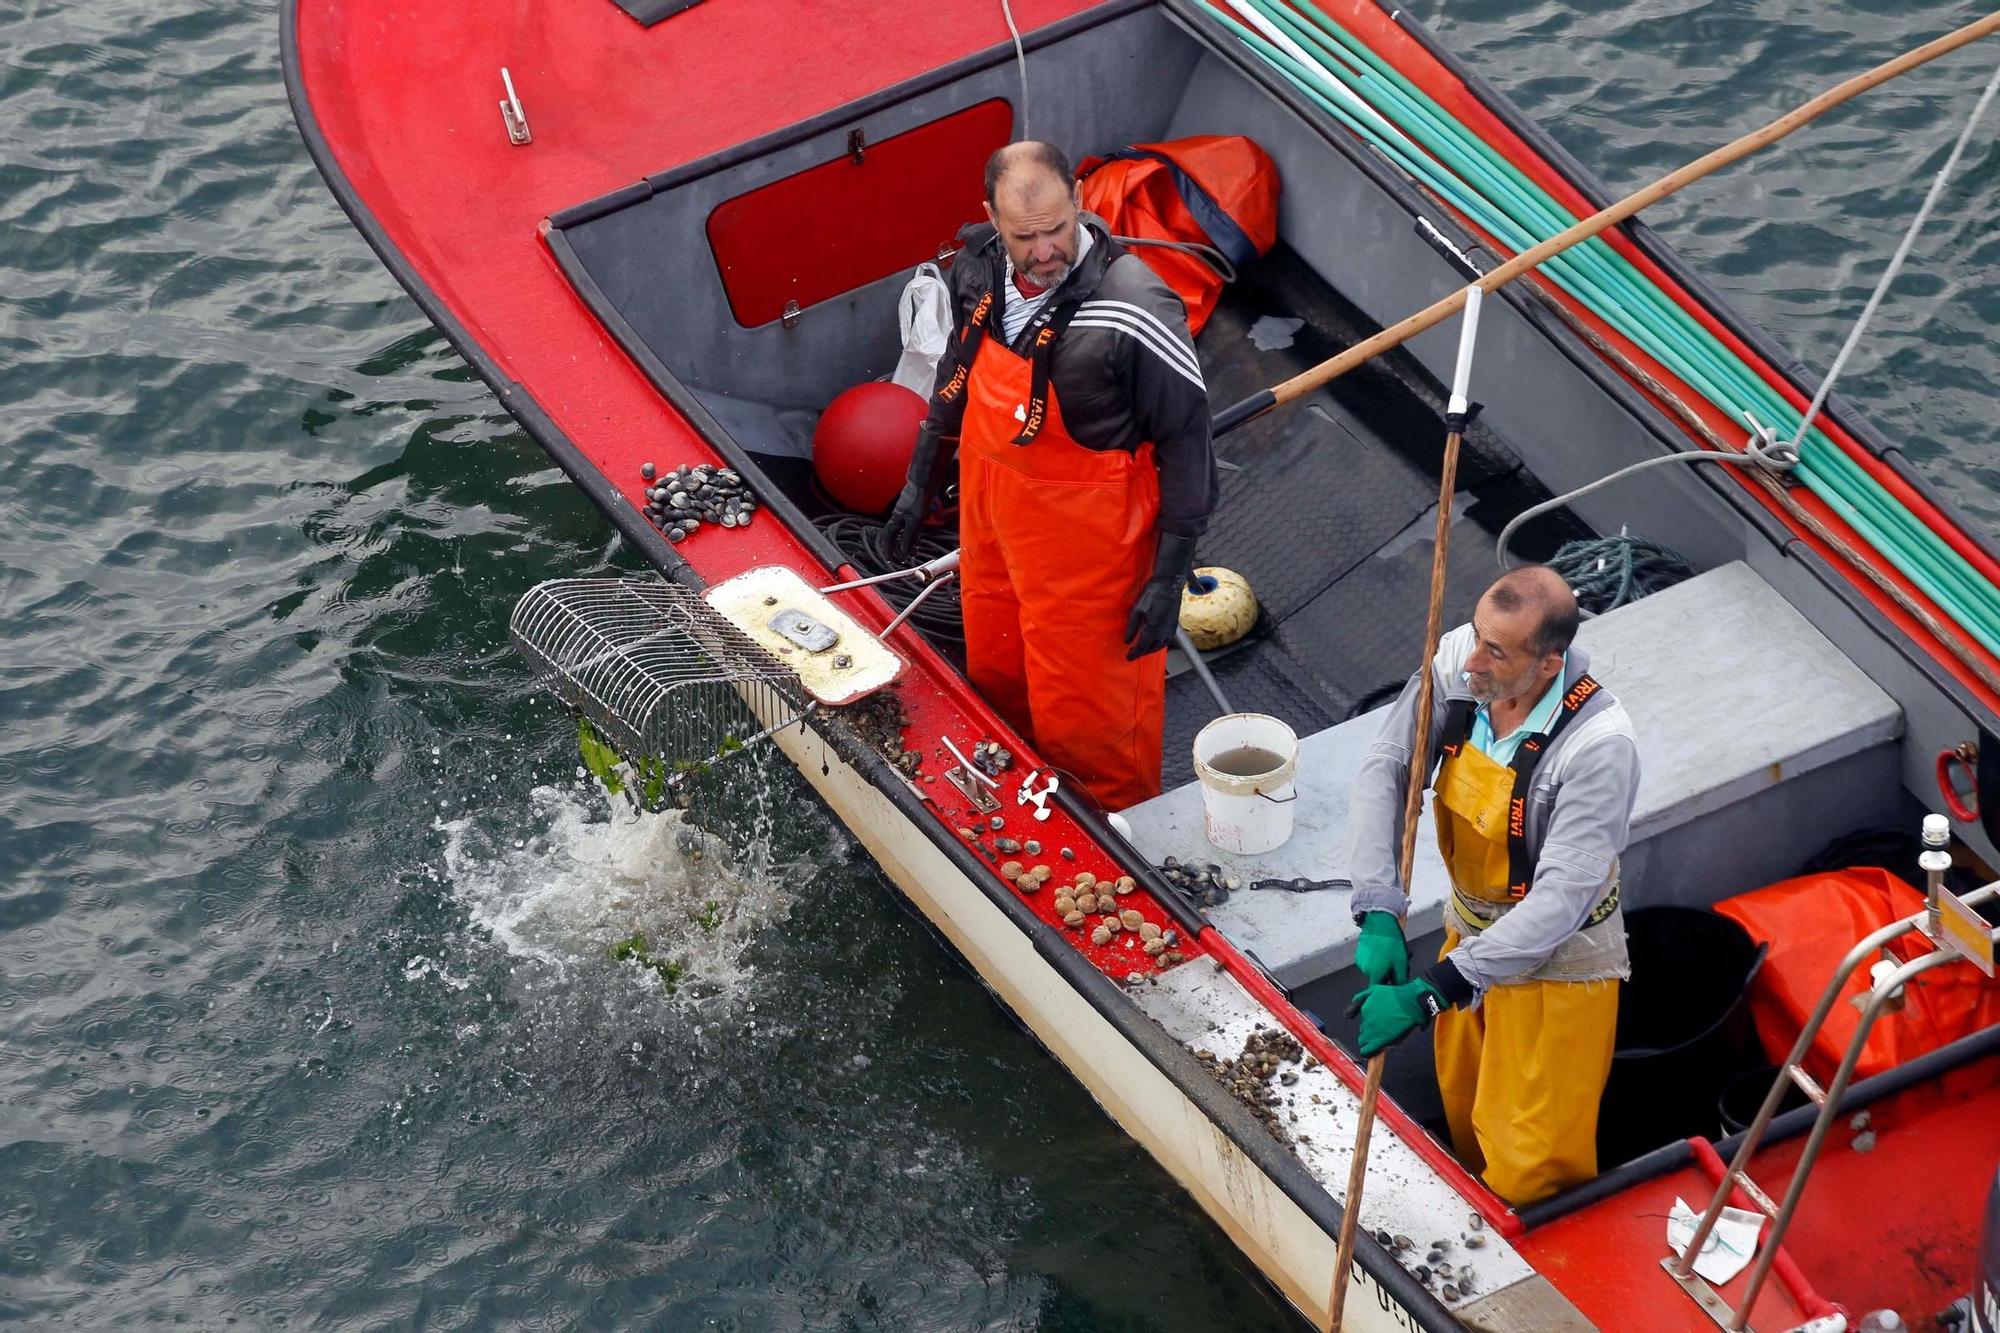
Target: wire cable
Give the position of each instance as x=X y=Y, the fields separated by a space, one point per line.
x=937 y=614
x=1020 y=61
x=1760 y=451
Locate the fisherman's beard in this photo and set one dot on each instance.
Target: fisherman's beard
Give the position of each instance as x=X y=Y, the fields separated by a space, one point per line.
x=1053 y=277
x=1492 y=689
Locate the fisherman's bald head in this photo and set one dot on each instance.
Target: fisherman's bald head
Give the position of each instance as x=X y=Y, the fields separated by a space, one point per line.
x=1027 y=166
x=1033 y=201
x=1522 y=626
x=1541 y=591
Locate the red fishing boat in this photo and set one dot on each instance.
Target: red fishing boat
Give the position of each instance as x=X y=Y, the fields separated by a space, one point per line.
x=670 y=233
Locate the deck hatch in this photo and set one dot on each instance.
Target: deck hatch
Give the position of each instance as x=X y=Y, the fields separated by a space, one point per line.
x=873 y=210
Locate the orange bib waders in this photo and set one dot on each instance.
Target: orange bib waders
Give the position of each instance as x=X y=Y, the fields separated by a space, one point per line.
x=1056 y=542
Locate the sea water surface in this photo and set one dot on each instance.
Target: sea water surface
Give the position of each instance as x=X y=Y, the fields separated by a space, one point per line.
x=307 y=1010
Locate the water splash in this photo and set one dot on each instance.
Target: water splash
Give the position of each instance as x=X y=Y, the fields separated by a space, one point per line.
x=566 y=896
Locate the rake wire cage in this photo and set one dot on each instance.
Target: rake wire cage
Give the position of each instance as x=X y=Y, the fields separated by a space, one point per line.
x=652 y=666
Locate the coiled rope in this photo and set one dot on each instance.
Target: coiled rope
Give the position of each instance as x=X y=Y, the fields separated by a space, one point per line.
x=1608 y=572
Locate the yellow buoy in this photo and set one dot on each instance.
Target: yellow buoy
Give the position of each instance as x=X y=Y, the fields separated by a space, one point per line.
x=1219 y=618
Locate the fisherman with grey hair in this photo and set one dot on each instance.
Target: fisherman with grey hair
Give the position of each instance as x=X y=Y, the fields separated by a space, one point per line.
x=1536 y=773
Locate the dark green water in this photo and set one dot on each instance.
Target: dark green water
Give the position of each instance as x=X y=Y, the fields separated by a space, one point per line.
x=306 y=1014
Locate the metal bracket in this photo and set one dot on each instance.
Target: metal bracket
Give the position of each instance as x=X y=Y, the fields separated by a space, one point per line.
x=790 y=317
x=1704 y=1295
x=976 y=796
x=1027 y=795
x=803 y=630
x=857 y=145
x=511 y=114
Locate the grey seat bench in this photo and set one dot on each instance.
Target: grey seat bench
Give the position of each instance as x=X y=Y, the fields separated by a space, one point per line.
x=1759 y=742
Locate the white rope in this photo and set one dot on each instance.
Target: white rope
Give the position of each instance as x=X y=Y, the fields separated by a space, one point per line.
x=1762 y=449
x=1896 y=261
x=1020 y=62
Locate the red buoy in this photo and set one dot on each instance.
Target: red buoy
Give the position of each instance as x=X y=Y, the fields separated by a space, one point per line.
x=862 y=445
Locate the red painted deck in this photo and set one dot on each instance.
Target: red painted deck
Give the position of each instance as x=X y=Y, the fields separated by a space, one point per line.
x=1893 y=1227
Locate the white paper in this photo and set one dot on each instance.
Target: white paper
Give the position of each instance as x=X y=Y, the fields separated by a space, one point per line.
x=1729 y=1248
x=925 y=312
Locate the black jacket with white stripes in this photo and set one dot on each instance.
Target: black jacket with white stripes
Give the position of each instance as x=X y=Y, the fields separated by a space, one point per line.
x=1124 y=371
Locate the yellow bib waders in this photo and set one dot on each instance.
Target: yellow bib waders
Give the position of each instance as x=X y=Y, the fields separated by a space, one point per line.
x=1522 y=1074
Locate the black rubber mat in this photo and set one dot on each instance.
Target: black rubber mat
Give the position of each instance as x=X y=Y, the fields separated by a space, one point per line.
x=1365 y=633
x=1308 y=491
x=1314 y=499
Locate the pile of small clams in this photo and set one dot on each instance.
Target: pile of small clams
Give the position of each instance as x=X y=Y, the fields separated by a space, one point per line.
x=1090 y=903
x=1205 y=886
x=694 y=494
x=1451 y=1281
x=991 y=759
x=880 y=721
x=1248 y=1077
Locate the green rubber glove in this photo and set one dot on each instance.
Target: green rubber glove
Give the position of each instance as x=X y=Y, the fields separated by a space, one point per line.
x=1391 y=1013
x=1382 y=953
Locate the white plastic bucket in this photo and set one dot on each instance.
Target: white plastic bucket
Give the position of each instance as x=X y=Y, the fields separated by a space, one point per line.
x=1246 y=802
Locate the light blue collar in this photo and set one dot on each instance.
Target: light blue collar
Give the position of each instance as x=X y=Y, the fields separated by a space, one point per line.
x=1540 y=718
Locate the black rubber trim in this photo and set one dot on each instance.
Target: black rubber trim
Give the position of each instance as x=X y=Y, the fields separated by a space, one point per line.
x=1078 y=805
x=846 y=114
x=649 y=12
x=1868 y=1091
x=780 y=505
x=1655 y=248
x=630 y=523
x=592 y=209
x=1168 y=1055
x=1663 y=1159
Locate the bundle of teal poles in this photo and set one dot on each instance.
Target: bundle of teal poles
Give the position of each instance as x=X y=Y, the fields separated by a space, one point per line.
x=1367 y=95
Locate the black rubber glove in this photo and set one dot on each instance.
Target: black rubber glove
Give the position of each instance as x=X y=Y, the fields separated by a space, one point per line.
x=1157 y=613
x=899 y=530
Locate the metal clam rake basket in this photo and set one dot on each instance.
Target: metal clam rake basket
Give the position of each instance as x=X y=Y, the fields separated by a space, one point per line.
x=657 y=671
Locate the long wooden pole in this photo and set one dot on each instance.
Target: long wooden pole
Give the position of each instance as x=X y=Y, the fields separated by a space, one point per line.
x=1456 y=414
x=1797 y=118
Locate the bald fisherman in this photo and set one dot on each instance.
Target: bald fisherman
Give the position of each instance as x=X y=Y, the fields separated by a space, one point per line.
x=1072 y=397
x=1537 y=770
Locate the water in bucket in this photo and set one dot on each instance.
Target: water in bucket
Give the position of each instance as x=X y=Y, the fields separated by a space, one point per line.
x=1246 y=763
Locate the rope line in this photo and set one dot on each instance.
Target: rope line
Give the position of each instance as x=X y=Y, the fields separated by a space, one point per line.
x=1761 y=451
x=1896 y=260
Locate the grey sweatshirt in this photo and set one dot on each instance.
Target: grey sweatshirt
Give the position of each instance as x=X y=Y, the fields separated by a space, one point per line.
x=1579 y=815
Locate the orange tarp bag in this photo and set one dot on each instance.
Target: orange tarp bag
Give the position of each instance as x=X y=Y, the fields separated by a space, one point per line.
x=1810 y=923
x=1219 y=190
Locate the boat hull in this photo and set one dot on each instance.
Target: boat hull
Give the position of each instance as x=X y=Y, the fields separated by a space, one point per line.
x=1291 y=1247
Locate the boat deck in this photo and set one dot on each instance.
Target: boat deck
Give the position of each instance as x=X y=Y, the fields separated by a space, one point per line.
x=1885 y=1228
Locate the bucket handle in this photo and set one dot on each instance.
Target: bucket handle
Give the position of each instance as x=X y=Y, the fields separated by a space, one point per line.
x=1276 y=800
